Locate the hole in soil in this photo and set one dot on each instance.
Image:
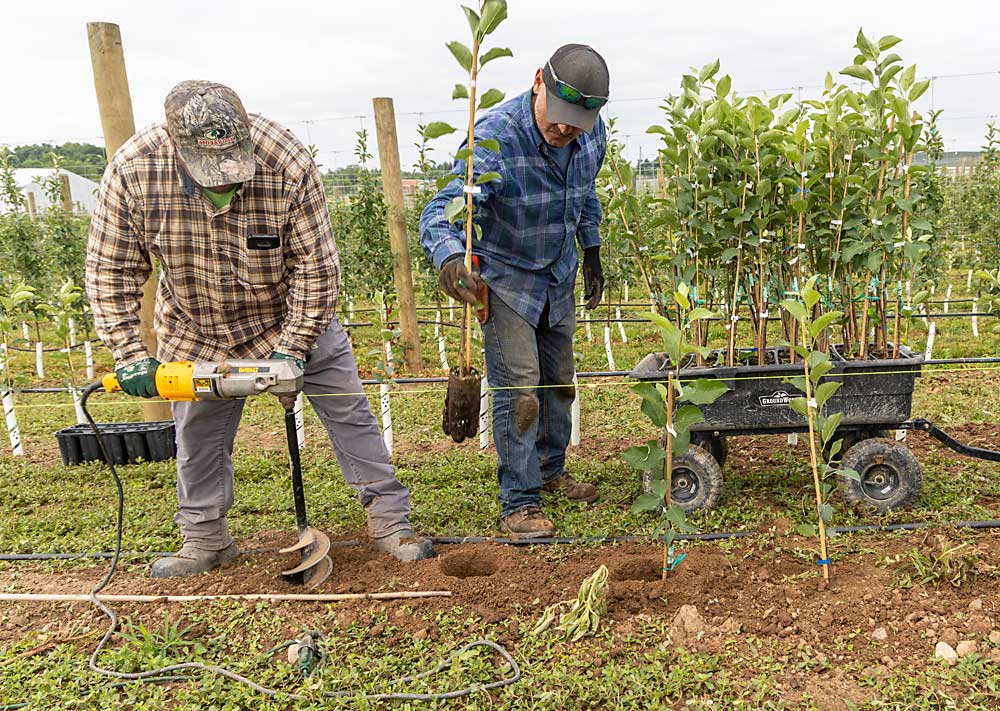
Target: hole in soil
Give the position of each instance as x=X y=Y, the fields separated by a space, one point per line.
x=646 y=569
x=468 y=564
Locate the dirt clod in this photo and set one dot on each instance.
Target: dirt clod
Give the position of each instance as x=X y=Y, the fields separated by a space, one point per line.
x=944 y=651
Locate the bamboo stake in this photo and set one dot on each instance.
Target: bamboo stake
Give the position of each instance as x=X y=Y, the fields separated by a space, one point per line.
x=814 y=460
x=466 y=366
x=902 y=259
x=668 y=462
x=270 y=597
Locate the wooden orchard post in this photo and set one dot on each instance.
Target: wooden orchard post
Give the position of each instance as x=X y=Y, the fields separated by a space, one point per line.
x=67 y=194
x=392 y=184
x=118 y=124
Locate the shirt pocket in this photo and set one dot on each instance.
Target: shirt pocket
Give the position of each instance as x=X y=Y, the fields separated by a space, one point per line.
x=263 y=265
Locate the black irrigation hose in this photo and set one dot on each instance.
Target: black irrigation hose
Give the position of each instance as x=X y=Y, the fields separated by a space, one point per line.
x=567 y=540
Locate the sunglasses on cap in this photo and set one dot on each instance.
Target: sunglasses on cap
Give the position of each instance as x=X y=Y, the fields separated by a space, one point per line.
x=570 y=93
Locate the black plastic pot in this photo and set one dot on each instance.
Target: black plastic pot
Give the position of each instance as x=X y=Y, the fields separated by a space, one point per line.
x=126 y=442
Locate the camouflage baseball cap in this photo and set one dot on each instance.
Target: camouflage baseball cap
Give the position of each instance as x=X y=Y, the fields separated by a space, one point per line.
x=211 y=132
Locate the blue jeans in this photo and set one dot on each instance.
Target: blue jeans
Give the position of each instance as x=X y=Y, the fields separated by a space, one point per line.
x=531 y=425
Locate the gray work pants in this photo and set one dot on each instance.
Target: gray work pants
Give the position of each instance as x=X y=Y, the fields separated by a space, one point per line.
x=206 y=431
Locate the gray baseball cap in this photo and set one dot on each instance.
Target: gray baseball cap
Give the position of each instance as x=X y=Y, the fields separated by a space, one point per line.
x=576 y=83
x=211 y=132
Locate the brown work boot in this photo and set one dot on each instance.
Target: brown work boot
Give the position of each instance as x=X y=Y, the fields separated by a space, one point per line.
x=527 y=523
x=576 y=490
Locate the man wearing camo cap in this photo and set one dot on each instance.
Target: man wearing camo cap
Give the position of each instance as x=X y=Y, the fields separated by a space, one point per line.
x=232 y=207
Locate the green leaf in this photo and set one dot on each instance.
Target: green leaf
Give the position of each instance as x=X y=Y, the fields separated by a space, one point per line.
x=491 y=98
x=462 y=54
x=723 y=86
x=646 y=502
x=729 y=255
x=463 y=154
x=820 y=324
x=445 y=180
x=830 y=425
x=708 y=71
x=644 y=457
x=824 y=391
x=806 y=529
x=460 y=92
x=676 y=516
x=919 y=88
x=453 y=210
x=495 y=53
x=826 y=513
x=699 y=314
x=888 y=41
x=494 y=12
x=820 y=369
x=866 y=46
x=473 y=19
x=909 y=74
x=796 y=308
x=704 y=391
x=436 y=129
x=799 y=405
x=684 y=417
x=858 y=72
x=487 y=177
x=490 y=144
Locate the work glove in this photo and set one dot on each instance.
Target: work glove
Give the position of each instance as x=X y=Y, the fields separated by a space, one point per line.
x=139 y=379
x=593 y=276
x=288 y=401
x=457 y=282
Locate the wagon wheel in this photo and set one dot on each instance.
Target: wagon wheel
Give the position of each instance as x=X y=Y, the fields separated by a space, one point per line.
x=890 y=475
x=696 y=480
x=852 y=437
x=714 y=445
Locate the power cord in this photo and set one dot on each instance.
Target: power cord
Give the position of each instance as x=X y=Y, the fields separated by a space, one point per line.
x=155 y=675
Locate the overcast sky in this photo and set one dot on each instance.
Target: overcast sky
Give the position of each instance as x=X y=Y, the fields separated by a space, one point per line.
x=315 y=66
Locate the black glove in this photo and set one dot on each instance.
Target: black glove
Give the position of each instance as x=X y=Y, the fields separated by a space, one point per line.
x=593 y=276
x=457 y=282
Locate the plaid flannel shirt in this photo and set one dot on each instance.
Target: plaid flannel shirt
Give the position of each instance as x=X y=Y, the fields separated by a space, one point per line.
x=218 y=297
x=530 y=217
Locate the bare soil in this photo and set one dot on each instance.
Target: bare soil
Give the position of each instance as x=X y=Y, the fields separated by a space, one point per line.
x=736 y=595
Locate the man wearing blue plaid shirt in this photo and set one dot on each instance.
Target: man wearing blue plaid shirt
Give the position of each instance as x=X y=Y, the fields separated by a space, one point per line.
x=552 y=143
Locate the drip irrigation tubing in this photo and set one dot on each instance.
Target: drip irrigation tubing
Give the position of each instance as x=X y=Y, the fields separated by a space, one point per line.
x=564 y=540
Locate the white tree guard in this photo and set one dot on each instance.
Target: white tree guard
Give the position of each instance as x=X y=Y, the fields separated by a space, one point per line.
x=24 y=331
x=81 y=419
x=451 y=309
x=931 y=332
x=88 y=354
x=947 y=298
x=439 y=335
x=383 y=390
x=300 y=420
x=39 y=366
x=621 y=326
x=968 y=280
x=72 y=331
x=484 y=414
x=975 y=319
x=574 y=437
x=12 y=429
x=350 y=308
x=607 y=348
x=626 y=292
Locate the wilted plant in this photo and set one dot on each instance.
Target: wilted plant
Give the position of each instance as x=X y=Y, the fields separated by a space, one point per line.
x=585 y=612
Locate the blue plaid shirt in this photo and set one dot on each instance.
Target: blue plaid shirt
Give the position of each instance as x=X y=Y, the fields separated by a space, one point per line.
x=527 y=253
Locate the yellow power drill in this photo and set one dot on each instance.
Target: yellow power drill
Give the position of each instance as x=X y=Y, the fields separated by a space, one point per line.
x=237 y=379
x=228 y=380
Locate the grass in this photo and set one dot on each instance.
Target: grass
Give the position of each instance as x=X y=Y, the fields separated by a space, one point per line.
x=49 y=507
